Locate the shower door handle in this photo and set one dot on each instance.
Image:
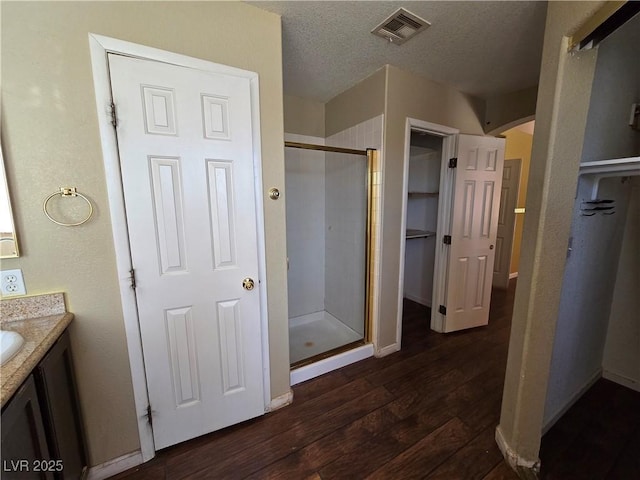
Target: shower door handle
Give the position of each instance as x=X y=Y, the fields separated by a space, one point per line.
x=248 y=283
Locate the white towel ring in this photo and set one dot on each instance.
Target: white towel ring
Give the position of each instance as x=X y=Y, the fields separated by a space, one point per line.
x=67 y=192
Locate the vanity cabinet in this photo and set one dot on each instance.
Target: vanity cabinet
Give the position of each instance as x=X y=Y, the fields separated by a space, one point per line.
x=56 y=418
x=56 y=386
x=24 y=443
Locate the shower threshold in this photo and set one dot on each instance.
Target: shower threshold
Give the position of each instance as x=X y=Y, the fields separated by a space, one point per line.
x=330 y=361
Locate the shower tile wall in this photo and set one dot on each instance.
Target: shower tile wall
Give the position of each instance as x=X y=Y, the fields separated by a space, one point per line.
x=305 y=201
x=345 y=223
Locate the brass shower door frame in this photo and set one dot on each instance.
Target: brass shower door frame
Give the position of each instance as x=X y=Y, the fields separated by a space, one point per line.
x=371 y=155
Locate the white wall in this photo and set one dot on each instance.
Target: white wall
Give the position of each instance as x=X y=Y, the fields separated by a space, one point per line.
x=346 y=216
x=305 y=200
x=616 y=86
x=345 y=237
x=424 y=168
x=587 y=293
x=622 y=350
x=422 y=214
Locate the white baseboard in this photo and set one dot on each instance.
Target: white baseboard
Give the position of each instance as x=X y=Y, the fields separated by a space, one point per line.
x=515 y=461
x=513 y=275
x=388 y=350
x=280 y=401
x=327 y=365
x=115 y=466
x=574 y=398
x=420 y=300
x=621 y=380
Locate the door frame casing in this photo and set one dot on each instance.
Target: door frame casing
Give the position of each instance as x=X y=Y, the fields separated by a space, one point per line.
x=449 y=146
x=100 y=46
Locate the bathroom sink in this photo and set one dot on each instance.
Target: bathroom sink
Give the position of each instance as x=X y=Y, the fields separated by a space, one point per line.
x=10 y=344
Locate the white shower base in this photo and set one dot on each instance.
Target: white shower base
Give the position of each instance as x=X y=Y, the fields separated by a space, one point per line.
x=316 y=333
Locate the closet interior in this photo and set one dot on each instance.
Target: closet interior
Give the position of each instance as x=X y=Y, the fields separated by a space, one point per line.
x=425 y=160
x=597 y=333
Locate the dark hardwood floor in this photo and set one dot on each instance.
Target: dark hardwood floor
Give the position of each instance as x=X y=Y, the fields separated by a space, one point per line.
x=428 y=411
x=597 y=439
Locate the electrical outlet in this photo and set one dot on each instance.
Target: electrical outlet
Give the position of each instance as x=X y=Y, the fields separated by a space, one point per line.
x=12 y=282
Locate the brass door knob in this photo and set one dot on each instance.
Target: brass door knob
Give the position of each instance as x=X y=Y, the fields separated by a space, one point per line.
x=274 y=193
x=248 y=283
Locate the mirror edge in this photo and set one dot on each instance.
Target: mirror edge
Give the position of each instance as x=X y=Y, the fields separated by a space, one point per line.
x=3 y=178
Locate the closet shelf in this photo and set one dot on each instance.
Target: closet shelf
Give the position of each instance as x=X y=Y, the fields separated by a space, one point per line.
x=621 y=166
x=423 y=194
x=617 y=167
x=411 y=233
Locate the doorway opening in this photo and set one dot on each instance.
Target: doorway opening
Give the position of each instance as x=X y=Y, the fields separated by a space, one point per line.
x=468 y=172
x=518 y=146
x=328 y=212
x=502 y=267
x=426 y=202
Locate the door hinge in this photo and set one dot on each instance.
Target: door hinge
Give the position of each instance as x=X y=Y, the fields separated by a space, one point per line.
x=149 y=416
x=453 y=162
x=446 y=239
x=114 y=117
x=132 y=277
x=442 y=309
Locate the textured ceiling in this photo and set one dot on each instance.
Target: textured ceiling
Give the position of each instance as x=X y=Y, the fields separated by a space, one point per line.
x=483 y=48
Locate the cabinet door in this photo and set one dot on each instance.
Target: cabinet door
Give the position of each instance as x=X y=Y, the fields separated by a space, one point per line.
x=60 y=409
x=24 y=445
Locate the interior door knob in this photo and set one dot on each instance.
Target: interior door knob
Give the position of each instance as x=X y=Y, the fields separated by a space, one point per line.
x=490 y=247
x=248 y=283
x=274 y=193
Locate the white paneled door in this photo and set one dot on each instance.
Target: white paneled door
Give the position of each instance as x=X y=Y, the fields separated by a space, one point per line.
x=186 y=153
x=474 y=220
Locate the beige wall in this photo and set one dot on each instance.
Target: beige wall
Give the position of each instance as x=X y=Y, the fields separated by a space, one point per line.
x=303 y=116
x=561 y=114
x=50 y=139
x=508 y=110
x=361 y=102
x=518 y=145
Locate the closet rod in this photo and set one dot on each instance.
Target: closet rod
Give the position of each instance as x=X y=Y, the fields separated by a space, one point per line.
x=324 y=148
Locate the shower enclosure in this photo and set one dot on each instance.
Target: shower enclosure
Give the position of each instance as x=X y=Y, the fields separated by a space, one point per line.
x=328 y=219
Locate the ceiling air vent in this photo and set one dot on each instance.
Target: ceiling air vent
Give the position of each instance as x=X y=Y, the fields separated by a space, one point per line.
x=400 y=26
